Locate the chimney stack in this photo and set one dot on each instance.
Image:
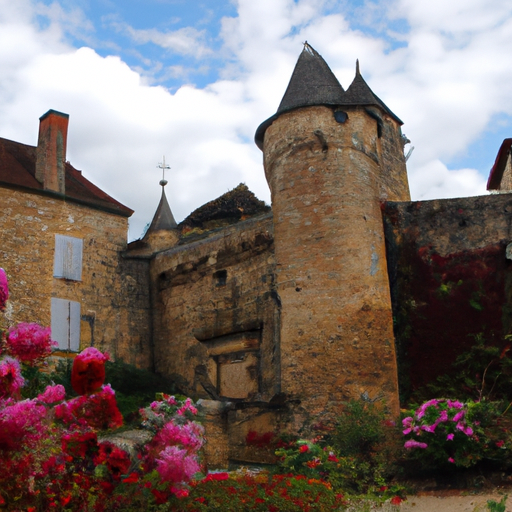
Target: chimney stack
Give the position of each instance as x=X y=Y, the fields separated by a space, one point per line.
x=51 y=150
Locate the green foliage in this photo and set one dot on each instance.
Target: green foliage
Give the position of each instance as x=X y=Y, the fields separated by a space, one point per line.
x=35 y=381
x=360 y=430
x=485 y=371
x=494 y=506
x=358 y=457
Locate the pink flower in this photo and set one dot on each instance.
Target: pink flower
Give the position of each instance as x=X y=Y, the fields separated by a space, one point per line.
x=21 y=425
x=187 y=406
x=451 y=459
x=52 y=394
x=4 y=289
x=30 y=343
x=11 y=380
x=175 y=465
x=458 y=416
x=415 y=444
x=449 y=437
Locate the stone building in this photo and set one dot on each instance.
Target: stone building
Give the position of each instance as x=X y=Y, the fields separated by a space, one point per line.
x=344 y=290
x=60 y=243
x=275 y=317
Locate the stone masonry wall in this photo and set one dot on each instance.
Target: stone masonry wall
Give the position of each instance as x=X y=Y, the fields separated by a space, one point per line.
x=27 y=245
x=451 y=280
x=215 y=313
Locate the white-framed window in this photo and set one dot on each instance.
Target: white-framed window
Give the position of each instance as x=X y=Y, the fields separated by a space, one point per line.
x=66 y=324
x=67 y=262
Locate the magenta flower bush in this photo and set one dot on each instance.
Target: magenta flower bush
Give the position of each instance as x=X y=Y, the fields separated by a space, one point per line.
x=51 y=458
x=30 y=343
x=11 y=380
x=442 y=431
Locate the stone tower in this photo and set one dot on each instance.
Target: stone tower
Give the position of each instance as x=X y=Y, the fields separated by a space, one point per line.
x=331 y=157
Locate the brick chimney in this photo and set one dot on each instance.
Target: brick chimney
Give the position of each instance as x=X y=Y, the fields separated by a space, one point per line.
x=51 y=150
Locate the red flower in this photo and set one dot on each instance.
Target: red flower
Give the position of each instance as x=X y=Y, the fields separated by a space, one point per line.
x=160 y=497
x=65 y=500
x=131 y=479
x=88 y=373
x=396 y=500
x=215 y=476
x=304 y=448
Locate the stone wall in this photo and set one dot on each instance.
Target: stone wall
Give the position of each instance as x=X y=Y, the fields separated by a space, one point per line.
x=451 y=280
x=215 y=314
x=27 y=248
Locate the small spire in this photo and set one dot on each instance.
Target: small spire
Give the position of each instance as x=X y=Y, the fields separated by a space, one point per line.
x=163 y=218
x=357 y=67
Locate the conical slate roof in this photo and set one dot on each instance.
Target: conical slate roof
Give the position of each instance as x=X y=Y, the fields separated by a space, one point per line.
x=359 y=93
x=312 y=83
x=163 y=219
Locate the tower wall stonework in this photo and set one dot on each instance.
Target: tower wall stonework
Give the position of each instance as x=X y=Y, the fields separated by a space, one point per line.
x=336 y=333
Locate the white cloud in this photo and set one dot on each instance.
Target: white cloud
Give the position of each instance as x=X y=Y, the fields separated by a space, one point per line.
x=433 y=180
x=184 y=41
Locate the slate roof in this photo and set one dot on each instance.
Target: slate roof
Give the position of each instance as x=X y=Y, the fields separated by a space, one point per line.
x=360 y=94
x=163 y=218
x=17 y=169
x=313 y=83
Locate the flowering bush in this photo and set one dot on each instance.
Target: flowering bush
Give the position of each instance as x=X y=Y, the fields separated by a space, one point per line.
x=260 y=492
x=29 y=343
x=51 y=456
x=11 y=380
x=442 y=432
x=88 y=373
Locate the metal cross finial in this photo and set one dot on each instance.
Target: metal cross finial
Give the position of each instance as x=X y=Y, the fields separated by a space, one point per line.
x=162 y=166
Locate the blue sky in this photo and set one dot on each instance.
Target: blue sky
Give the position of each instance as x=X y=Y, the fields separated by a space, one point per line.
x=193 y=80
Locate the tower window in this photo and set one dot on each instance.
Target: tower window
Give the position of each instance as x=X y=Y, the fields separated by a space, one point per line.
x=220 y=277
x=340 y=116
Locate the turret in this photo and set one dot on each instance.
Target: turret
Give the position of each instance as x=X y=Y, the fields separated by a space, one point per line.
x=325 y=162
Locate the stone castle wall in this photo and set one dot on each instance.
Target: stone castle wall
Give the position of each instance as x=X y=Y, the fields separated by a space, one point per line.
x=214 y=313
x=451 y=280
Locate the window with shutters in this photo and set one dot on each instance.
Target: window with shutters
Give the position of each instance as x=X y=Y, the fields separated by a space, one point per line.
x=68 y=257
x=66 y=324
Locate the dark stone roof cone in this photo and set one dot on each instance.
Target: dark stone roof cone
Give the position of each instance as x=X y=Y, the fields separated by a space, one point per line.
x=360 y=94
x=312 y=83
x=163 y=219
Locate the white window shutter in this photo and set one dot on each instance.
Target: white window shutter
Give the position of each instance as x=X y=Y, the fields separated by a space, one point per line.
x=66 y=324
x=67 y=261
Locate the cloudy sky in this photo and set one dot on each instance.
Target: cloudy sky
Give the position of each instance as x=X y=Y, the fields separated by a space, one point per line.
x=192 y=80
